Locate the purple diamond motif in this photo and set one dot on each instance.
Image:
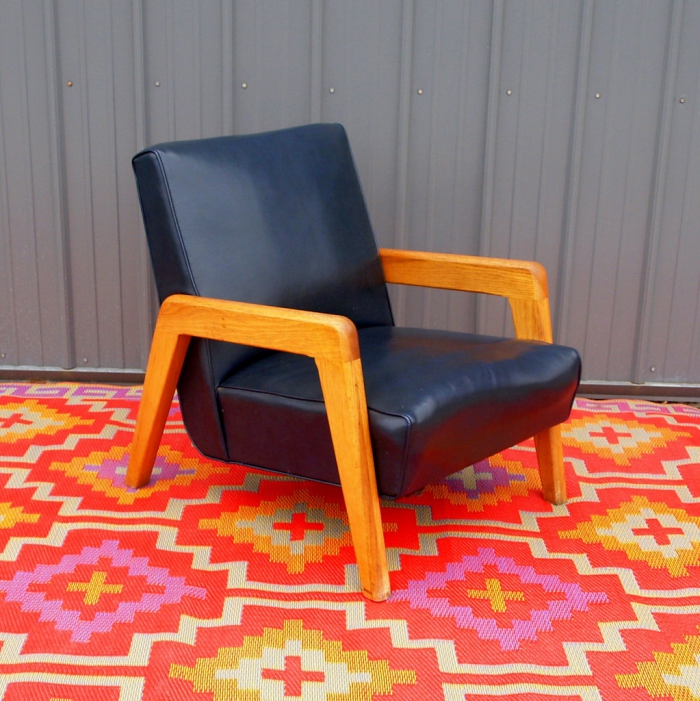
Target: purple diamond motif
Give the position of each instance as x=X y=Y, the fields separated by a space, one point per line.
x=486 y=477
x=115 y=470
x=417 y=594
x=174 y=589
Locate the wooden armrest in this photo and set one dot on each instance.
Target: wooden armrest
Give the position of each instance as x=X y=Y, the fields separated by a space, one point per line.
x=496 y=276
x=323 y=336
x=524 y=283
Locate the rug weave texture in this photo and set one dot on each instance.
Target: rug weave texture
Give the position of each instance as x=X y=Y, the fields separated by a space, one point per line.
x=222 y=582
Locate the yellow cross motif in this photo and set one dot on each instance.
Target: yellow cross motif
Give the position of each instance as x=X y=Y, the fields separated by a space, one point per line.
x=95 y=588
x=495 y=595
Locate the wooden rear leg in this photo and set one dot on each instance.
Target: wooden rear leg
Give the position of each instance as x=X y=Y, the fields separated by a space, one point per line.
x=550 y=457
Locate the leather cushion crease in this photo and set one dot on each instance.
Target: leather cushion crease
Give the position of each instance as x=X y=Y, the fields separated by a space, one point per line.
x=280 y=219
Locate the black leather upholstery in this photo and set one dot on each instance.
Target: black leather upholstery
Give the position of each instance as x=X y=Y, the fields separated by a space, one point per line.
x=279 y=219
x=438 y=401
x=276 y=219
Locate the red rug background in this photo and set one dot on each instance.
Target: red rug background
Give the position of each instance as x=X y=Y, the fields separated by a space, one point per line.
x=222 y=582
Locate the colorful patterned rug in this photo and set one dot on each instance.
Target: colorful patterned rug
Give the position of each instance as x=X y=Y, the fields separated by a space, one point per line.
x=219 y=582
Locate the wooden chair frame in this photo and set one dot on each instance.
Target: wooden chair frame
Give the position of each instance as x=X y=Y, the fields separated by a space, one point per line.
x=332 y=342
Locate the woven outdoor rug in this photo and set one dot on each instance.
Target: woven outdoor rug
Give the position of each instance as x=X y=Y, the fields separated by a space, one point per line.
x=219 y=582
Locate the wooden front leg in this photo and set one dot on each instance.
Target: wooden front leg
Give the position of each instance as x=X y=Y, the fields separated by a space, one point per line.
x=346 y=406
x=162 y=373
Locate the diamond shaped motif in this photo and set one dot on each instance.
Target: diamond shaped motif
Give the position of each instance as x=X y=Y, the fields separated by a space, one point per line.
x=616 y=439
x=105 y=471
x=486 y=483
x=106 y=562
x=293 y=529
x=664 y=538
x=671 y=675
x=30 y=418
x=485 y=608
x=292 y=662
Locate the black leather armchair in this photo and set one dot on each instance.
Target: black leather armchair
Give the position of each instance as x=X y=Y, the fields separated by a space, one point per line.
x=276 y=327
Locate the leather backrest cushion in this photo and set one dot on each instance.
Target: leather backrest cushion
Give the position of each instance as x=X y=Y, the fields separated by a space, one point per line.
x=276 y=218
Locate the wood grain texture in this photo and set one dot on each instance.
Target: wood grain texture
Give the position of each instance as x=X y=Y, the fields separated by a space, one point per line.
x=449 y=271
x=162 y=373
x=346 y=406
x=550 y=459
x=307 y=333
x=531 y=319
x=332 y=342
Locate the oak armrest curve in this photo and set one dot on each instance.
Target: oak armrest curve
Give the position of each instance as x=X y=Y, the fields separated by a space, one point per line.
x=318 y=335
x=515 y=279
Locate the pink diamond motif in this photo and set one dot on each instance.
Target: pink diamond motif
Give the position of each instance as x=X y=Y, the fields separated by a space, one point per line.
x=174 y=589
x=575 y=599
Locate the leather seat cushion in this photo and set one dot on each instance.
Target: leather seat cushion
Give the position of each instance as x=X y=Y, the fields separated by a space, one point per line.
x=438 y=401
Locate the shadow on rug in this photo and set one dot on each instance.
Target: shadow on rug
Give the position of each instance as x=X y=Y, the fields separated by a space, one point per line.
x=219 y=582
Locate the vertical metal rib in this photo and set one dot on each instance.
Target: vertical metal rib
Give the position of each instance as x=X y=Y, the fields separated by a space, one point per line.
x=404 y=125
x=574 y=175
x=147 y=294
x=228 y=72
x=403 y=137
x=490 y=145
x=316 y=60
x=63 y=277
x=641 y=346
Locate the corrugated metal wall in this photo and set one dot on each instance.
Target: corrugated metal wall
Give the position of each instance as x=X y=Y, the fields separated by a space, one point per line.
x=562 y=130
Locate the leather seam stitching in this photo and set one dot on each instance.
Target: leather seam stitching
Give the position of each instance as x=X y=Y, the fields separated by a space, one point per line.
x=310 y=399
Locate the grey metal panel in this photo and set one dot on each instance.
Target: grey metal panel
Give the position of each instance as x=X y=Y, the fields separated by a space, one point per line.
x=140 y=297
x=35 y=318
x=672 y=345
x=448 y=99
x=99 y=132
x=563 y=291
x=361 y=64
x=272 y=56
x=628 y=51
x=531 y=140
x=599 y=190
x=184 y=45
